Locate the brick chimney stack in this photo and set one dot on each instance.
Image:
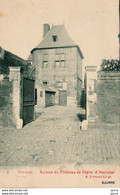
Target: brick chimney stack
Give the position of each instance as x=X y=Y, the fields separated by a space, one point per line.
x=46 y=28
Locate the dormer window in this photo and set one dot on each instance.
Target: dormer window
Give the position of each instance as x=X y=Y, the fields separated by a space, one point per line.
x=54 y=38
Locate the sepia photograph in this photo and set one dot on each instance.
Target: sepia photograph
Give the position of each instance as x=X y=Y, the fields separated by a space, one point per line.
x=59 y=93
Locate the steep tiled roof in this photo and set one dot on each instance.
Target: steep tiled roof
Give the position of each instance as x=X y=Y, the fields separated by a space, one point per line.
x=8 y=59
x=63 y=39
x=11 y=59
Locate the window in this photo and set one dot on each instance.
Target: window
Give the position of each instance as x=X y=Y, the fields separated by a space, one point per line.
x=45 y=61
x=60 y=60
x=59 y=84
x=45 y=57
x=41 y=93
x=62 y=55
x=44 y=82
x=45 y=64
x=57 y=57
x=57 y=64
x=54 y=38
x=62 y=63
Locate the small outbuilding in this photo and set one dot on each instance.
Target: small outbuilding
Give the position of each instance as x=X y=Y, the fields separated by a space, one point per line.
x=46 y=96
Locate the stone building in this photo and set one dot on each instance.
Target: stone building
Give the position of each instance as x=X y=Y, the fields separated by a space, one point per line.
x=58 y=65
x=16 y=90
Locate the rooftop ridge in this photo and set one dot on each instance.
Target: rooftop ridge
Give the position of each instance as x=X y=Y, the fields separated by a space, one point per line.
x=62 y=39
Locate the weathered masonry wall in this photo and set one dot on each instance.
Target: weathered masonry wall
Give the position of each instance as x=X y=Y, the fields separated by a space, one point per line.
x=12 y=71
x=108 y=96
x=52 y=74
x=15 y=77
x=6 y=117
x=91 y=96
x=10 y=98
x=70 y=76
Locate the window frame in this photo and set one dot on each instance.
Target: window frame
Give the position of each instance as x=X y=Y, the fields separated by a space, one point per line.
x=45 y=82
x=41 y=93
x=54 y=38
x=60 y=60
x=45 y=61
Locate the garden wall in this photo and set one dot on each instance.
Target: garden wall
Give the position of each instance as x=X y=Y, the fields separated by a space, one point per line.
x=6 y=118
x=108 y=93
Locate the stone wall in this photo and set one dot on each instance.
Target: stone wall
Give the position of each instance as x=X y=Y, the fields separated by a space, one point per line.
x=79 y=79
x=6 y=117
x=15 y=78
x=51 y=74
x=10 y=98
x=12 y=71
x=108 y=96
x=91 y=97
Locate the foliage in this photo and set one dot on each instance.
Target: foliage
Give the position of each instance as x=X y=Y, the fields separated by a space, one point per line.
x=110 y=65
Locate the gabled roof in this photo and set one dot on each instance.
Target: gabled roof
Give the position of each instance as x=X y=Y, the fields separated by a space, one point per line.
x=10 y=59
x=63 y=39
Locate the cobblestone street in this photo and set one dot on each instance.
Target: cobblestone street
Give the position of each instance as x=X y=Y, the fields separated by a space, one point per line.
x=55 y=138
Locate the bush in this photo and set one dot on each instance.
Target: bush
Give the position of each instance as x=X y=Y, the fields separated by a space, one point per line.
x=110 y=65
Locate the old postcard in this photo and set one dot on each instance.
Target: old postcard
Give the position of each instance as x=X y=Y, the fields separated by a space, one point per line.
x=59 y=93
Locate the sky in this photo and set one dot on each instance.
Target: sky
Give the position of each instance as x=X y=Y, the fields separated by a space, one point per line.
x=92 y=24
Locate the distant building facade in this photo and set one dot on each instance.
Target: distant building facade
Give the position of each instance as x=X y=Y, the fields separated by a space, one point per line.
x=58 y=65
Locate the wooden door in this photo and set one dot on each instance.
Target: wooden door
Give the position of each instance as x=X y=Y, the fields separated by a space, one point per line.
x=63 y=98
x=28 y=100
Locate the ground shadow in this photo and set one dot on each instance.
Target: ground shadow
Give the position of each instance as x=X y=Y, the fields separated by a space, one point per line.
x=37 y=115
x=81 y=117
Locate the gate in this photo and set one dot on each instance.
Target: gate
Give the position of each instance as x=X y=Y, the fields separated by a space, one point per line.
x=62 y=98
x=28 y=100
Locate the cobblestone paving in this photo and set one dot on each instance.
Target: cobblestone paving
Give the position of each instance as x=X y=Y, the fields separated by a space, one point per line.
x=55 y=138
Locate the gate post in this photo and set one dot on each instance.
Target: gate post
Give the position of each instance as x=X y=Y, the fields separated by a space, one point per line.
x=91 y=99
x=15 y=77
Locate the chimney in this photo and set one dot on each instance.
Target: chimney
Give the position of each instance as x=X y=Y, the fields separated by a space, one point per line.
x=46 y=28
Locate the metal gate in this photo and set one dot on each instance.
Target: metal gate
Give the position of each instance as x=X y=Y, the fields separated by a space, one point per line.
x=28 y=100
x=62 y=98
